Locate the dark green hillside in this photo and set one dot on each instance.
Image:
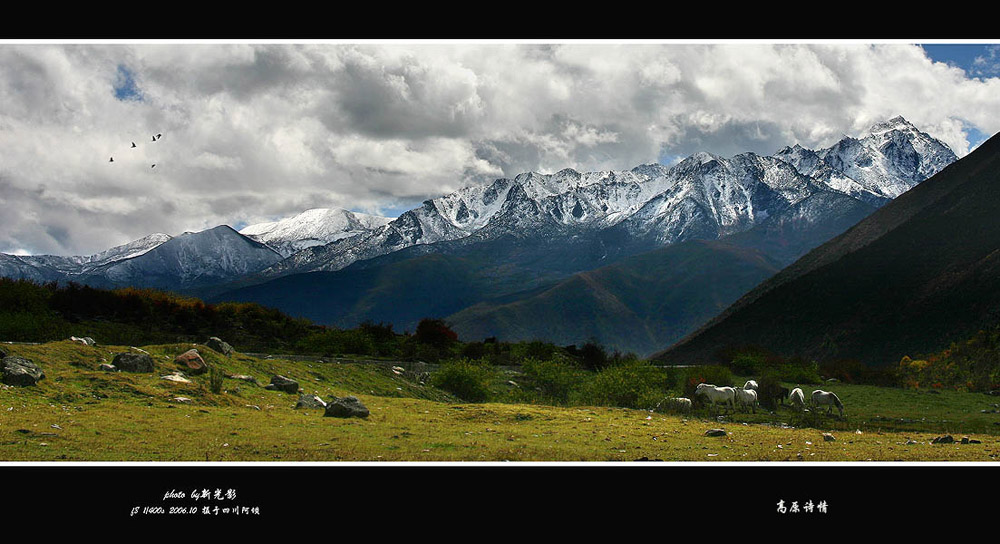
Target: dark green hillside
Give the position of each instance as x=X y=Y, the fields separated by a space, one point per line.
x=635 y=305
x=401 y=292
x=921 y=272
x=30 y=312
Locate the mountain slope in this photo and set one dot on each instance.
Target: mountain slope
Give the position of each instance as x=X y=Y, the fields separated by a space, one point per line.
x=634 y=305
x=920 y=272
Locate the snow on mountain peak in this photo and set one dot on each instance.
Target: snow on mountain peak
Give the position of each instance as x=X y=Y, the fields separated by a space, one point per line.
x=316 y=226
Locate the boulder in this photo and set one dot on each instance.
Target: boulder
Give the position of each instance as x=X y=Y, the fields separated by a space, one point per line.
x=133 y=362
x=946 y=439
x=310 y=401
x=20 y=371
x=217 y=344
x=715 y=432
x=281 y=383
x=192 y=361
x=827 y=437
x=345 y=407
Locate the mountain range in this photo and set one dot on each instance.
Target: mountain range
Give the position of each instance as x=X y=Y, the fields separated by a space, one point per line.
x=502 y=259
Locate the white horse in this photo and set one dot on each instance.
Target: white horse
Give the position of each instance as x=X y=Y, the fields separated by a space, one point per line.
x=751 y=384
x=716 y=394
x=829 y=399
x=797 y=399
x=747 y=397
x=679 y=404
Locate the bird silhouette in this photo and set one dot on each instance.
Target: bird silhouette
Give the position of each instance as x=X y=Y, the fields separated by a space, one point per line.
x=158 y=136
x=154 y=166
x=112 y=159
x=133 y=144
x=154 y=138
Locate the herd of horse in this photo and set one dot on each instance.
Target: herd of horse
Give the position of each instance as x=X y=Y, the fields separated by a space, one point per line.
x=746 y=398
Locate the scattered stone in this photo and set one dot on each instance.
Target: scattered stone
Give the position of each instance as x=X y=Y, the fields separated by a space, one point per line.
x=220 y=346
x=715 y=432
x=86 y=340
x=192 y=361
x=346 y=407
x=644 y=458
x=974 y=441
x=965 y=439
x=827 y=437
x=281 y=383
x=833 y=380
x=243 y=377
x=140 y=350
x=133 y=362
x=20 y=371
x=107 y=368
x=182 y=400
x=946 y=439
x=254 y=406
x=175 y=378
x=512 y=383
x=911 y=442
x=310 y=401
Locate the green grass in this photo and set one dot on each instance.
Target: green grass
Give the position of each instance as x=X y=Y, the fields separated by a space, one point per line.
x=78 y=413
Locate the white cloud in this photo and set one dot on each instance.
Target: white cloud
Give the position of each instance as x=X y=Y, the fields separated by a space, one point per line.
x=252 y=131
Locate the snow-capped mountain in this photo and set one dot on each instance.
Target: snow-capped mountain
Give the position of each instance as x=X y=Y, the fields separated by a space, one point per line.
x=702 y=197
x=893 y=158
x=315 y=227
x=192 y=259
x=56 y=268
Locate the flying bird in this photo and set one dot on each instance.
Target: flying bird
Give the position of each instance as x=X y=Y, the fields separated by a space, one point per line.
x=154 y=166
x=158 y=136
x=133 y=144
x=112 y=159
x=154 y=138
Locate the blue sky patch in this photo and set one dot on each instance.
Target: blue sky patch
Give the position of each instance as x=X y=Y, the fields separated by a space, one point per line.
x=979 y=60
x=125 y=87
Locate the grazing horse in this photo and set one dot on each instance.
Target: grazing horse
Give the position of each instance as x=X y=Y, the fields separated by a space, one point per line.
x=716 y=394
x=751 y=384
x=679 y=404
x=797 y=399
x=828 y=398
x=747 y=397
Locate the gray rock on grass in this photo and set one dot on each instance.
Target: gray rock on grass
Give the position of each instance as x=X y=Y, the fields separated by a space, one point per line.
x=281 y=383
x=220 y=346
x=346 y=407
x=20 y=371
x=133 y=362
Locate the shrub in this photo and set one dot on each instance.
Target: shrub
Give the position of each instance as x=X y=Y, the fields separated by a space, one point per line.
x=215 y=377
x=465 y=379
x=593 y=356
x=632 y=384
x=555 y=380
x=435 y=332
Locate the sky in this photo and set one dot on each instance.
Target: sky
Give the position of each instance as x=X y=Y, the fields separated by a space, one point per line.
x=257 y=131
